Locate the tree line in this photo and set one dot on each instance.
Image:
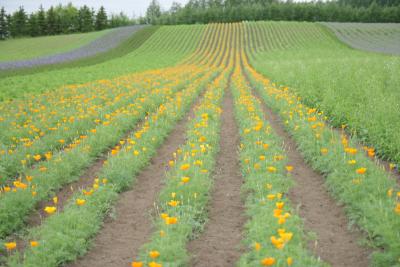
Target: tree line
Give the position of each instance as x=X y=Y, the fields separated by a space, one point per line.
x=206 y=11
x=58 y=20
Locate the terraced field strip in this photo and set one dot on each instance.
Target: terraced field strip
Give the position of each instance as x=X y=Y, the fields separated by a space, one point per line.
x=219 y=244
x=54 y=129
x=334 y=243
x=360 y=79
x=363 y=187
x=145 y=51
x=66 y=166
x=25 y=48
x=88 y=210
x=265 y=146
x=102 y=44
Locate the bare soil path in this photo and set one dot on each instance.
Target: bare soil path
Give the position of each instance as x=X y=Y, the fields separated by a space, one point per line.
x=335 y=243
x=219 y=244
x=119 y=240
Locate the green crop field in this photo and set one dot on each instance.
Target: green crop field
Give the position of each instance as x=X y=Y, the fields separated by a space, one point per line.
x=27 y=48
x=228 y=144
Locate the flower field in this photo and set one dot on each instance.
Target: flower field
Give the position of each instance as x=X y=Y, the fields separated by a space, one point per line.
x=204 y=146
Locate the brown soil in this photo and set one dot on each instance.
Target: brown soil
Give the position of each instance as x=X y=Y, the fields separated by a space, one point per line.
x=219 y=245
x=335 y=243
x=119 y=240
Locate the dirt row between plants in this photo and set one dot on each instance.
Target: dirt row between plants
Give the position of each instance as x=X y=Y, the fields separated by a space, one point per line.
x=130 y=224
x=335 y=243
x=219 y=244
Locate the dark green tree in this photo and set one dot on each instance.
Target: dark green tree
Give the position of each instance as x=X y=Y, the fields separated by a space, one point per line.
x=4 y=32
x=85 y=19
x=153 y=12
x=51 y=27
x=101 y=19
x=19 y=26
x=41 y=21
x=33 y=25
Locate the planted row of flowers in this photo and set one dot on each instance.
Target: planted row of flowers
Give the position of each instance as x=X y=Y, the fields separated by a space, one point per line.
x=64 y=119
x=370 y=195
x=181 y=207
x=34 y=116
x=41 y=183
x=64 y=236
x=274 y=233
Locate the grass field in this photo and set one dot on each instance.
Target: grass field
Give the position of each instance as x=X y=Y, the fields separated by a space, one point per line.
x=165 y=47
x=27 y=48
x=339 y=81
x=204 y=145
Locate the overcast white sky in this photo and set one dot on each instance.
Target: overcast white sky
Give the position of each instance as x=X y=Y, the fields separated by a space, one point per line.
x=129 y=7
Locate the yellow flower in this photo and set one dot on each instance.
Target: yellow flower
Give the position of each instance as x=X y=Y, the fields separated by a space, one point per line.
x=390 y=192
x=257 y=246
x=289 y=261
x=352 y=162
x=137 y=264
x=184 y=167
x=162 y=233
x=154 y=264
x=10 y=245
x=171 y=163
x=397 y=209
x=50 y=209
x=361 y=170
x=171 y=220
x=289 y=168
x=271 y=169
x=185 y=179
x=269 y=261
x=154 y=254
x=55 y=200
x=34 y=243
x=173 y=203
x=277 y=242
x=324 y=151
x=80 y=202
x=37 y=157
x=271 y=196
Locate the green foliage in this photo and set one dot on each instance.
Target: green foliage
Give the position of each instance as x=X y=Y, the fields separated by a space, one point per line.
x=101 y=19
x=4 y=31
x=153 y=12
x=167 y=46
x=366 y=195
x=27 y=48
x=192 y=196
x=206 y=11
x=58 y=20
x=78 y=224
x=260 y=146
x=352 y=87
